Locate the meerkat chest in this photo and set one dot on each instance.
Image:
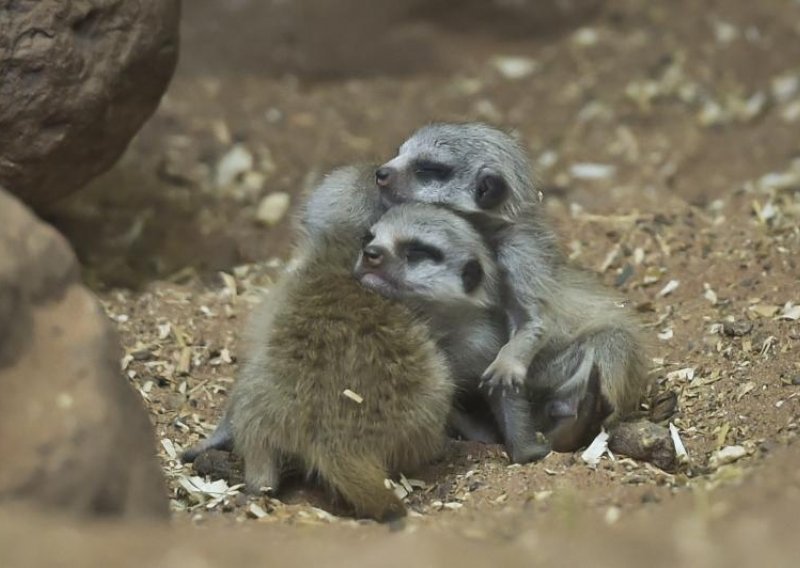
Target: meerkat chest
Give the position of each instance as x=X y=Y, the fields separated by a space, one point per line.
x=472 y=343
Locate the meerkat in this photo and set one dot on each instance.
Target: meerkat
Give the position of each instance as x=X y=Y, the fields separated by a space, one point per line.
x=481 y=171
x=433 y=261
x=436 y=262
x=338 y=381
x=485 y=175
x=339 y=204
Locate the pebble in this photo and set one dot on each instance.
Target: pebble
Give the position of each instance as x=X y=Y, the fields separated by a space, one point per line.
x=737 y=328
x=234 y=163
x=514 y=68
x=273 y=208
x=591 y=171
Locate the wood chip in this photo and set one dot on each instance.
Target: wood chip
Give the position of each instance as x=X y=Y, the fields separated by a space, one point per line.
x=599 y=446
x=726 y=455
x=790 y=312
x=764 y=310
x=256 y=511
x=169 y=447
x=185 y=361
x=680 y=449
x=685 y=374
x=744 y=390
x=669 y=288
x=353 y=396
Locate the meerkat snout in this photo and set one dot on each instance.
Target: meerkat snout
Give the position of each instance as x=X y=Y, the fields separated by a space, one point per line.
x=383 y=176
x=373 y=255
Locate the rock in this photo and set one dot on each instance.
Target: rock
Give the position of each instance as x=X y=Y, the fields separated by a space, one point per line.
x=73 y=433
x=273 y=208
x=218 y=464
x=737 y=328
x=644 y=441
x=78 y=81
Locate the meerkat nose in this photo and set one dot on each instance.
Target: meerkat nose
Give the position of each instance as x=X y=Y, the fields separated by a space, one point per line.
x=383 y=176
x=373 y=256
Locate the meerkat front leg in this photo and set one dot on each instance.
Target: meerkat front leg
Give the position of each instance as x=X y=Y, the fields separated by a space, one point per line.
x=523 y=442
x=510 y=366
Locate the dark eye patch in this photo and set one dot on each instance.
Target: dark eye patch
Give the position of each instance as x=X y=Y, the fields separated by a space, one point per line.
x=417 y=251
x=430 y=170
x=471 y=275
x=366 y=239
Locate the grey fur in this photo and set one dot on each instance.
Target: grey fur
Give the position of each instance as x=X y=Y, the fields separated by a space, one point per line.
x=543 y=293
x=588 y=335
x=469 y=326
x=526 y=247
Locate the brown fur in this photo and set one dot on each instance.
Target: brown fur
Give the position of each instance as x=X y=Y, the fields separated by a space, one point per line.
x=318 y=333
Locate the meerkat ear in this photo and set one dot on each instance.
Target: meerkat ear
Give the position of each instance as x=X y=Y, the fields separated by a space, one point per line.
x=471 y=275
x=491 y=189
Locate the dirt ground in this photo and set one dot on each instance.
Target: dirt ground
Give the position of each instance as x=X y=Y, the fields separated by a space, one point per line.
x=665 y=137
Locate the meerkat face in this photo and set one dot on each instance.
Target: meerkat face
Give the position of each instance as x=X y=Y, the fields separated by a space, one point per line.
x=472 y=168
x=426 y=254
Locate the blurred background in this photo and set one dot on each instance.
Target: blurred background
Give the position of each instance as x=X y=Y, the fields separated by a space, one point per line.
x=620 y=104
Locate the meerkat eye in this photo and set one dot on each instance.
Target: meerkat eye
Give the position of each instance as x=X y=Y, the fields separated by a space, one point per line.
x=417 y=251
x=366 y=239
x=429 y=170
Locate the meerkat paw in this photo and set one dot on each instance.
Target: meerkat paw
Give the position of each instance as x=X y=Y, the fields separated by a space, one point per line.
x=532 y=450
x=506 y=372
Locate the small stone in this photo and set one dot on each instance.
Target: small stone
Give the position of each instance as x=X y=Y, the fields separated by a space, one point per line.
x=737 y=328
x=591 y=171
x=796 y=380
x=644 y=441
x=273 y=208
x=515 y=68
x=585 y=37
x=233 y=164
x=216 y=464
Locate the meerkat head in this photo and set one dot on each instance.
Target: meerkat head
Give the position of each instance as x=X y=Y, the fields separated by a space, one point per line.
x=427 y=255
x=472 y=168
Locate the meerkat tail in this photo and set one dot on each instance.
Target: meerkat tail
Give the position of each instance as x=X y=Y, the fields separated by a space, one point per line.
x=361 y=482
x=220 y=439
x=577 y=422
x=622 y=366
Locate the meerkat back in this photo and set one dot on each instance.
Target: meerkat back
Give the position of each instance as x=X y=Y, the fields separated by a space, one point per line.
x=341 y=380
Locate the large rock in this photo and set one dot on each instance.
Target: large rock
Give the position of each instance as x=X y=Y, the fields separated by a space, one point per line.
x=78 y=80
x=73 y=432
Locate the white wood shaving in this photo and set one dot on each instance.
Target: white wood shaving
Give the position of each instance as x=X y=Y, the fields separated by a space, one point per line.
x=169 y=447
x=353 y=396
x=680 y=449
x=599 y=446
x=669 y=288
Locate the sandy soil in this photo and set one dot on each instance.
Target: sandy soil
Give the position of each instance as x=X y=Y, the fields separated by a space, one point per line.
x=690 y=110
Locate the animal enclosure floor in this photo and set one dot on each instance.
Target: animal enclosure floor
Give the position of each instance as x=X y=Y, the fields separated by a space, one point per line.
x=665 y=138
